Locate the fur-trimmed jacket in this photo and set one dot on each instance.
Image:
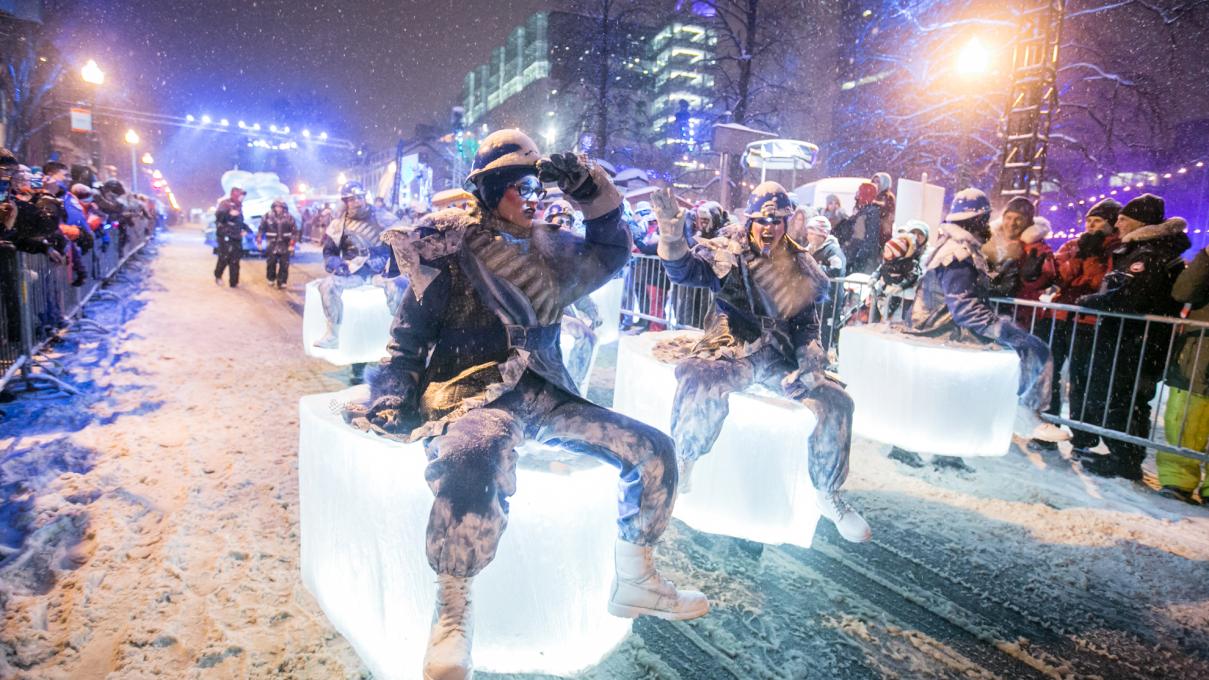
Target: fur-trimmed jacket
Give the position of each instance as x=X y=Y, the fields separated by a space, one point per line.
x=1144 y=268
x=758 y=300
x=1082 y=265
x=484 y=306
x=952 y=297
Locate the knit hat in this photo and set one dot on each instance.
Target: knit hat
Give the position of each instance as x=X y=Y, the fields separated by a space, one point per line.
x=1021 y=206
x=898 y=247
x=819 y=225
x=1108 y=209
x=1147 y=209
x=866 y=193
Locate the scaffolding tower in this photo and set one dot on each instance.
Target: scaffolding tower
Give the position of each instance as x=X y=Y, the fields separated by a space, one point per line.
x=1033 y=100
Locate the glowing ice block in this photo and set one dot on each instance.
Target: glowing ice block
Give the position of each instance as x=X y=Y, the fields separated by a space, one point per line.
x=363 y=333
x=608 y=306
x=540 y=607
x=927 y=396
x=755 y=482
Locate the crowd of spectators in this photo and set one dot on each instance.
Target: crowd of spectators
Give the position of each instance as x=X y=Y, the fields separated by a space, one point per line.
x=65 y=214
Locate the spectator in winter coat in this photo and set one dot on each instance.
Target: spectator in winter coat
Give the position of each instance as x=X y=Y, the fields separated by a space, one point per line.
x=833 y=211
x=901 y=267
x=886 y=206
x=859 y=234
x=1004 y=251
x=952 y=299
x=1186 y=420
x=1081 y=265
x=1145 y=266
x=824 y=247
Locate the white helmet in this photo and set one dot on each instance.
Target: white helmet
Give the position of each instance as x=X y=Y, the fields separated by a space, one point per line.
x=504 y=149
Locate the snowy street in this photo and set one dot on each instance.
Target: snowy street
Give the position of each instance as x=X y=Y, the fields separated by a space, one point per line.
x=149 y=528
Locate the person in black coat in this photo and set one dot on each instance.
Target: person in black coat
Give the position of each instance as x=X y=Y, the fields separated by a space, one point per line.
x=1128 y=355
x=229 y=229
x=280 y=231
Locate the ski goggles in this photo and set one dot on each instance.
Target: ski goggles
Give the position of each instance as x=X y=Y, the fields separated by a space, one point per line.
x=530 y=188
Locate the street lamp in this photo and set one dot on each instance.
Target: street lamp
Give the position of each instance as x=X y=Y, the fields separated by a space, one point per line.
x=132 y=138
x=974 y=58
x=147 y=159
x=92 y=74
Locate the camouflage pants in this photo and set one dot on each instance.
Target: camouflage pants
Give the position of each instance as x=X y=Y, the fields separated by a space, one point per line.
x=701 y=407
x=331 y=288
x=472 y=470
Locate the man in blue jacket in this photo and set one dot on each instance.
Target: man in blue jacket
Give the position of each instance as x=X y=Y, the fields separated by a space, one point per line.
x=475 y=370
x=764 y=328
x=952 y=300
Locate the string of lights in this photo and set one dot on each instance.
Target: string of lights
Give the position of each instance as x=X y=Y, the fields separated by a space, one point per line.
x=1124 y=185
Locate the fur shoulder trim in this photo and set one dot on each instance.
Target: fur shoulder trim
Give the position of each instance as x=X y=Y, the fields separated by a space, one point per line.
x=1038 y=232
x=1175 y=225
x=436 y=236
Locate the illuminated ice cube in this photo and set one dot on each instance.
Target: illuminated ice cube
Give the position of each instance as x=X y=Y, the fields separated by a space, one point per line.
x=540 y=607
x=363 y=333
x=608 y=307
x=928 y=396
x=755 y=483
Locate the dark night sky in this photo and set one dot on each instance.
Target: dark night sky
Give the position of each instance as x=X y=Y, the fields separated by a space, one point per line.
x=374 y=67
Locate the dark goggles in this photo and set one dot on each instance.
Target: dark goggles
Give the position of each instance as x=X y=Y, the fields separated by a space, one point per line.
x=530 y=188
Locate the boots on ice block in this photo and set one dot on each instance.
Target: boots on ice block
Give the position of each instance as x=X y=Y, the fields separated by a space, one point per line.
x=540 y=607
x=362 y=334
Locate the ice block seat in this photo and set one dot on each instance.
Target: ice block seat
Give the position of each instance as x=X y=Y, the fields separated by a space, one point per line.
x=540 y=607
x=929 y=396
x=364 y=332
x=755 y=483
x=608 y=306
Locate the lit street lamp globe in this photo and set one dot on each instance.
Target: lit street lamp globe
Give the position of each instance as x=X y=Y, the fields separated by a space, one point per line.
x=92 y=74
x=132 y=137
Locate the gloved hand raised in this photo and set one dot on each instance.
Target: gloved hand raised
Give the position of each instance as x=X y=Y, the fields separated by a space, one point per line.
x=669 y=214
x=571 y=172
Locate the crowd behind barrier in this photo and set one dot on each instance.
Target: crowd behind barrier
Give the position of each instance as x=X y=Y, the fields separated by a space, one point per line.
x=39 y=300
x=1113 y=361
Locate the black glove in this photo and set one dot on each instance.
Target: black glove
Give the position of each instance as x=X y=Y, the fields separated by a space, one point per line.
x=1031 y=266
x=570 y=172
x=1091 y=244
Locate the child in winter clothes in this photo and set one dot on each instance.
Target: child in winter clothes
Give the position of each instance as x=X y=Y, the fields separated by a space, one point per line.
x=902 y=264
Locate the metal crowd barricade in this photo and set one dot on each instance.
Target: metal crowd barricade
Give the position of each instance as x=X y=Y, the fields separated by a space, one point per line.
x=1122 y=371
x=39 y=301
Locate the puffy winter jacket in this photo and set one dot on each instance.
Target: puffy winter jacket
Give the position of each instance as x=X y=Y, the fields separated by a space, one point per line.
x=1037 y=272
x=277 y=232
x=952 y=296
x=352 y=245
x=484 y=305
x=1082 y=264
x=1190 y=366
x=830 y=257
x=1144 y=268
x=229 y=224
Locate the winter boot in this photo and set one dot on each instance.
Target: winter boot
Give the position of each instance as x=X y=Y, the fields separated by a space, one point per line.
x=638 y=589
x=951 y=464
x=685 y=484
x=1099 y=465
x=1030 y=426
x=1178 y=494
x=1039 y=446
x=448 y=656
x=908 y=458
x=848 y=522
x=330 y=339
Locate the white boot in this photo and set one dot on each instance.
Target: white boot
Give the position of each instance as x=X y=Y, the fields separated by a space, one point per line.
x=448 y=656
x=685 y=484
x=848 y=522
x=1030 y=426
x=638 y=589
x=330 y=339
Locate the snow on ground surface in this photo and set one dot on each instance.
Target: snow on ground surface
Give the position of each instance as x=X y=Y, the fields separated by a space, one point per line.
x=149 y=528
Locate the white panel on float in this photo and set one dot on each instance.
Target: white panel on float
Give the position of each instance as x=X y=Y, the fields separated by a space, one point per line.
x=755 y=482
x=928 y=396
x=540 y=607
x=917 y=200
x=364 y=332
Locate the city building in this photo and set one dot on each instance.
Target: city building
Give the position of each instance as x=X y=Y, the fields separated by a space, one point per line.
x=543 y=80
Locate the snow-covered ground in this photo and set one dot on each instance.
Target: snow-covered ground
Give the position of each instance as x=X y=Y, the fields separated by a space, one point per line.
x=149 y=528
